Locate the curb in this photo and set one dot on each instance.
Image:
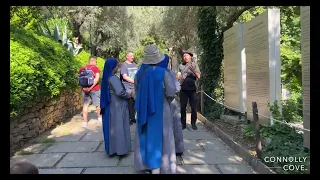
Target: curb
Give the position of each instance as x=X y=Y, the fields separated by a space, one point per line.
x=254 y=162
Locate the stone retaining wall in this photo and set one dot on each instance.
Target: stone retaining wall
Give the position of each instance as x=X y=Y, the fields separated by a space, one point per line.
x=40 y=116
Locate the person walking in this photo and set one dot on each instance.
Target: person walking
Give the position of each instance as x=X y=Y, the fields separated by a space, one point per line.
x=92 y=92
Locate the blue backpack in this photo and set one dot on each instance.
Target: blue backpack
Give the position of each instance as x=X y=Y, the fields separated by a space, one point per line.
x=86 y=77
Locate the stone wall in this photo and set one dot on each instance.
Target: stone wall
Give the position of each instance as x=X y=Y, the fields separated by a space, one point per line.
x=40 y=116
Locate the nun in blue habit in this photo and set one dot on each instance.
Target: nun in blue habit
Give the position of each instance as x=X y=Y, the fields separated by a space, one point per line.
x=154 y=150
x=114 y=111
x=175 y=110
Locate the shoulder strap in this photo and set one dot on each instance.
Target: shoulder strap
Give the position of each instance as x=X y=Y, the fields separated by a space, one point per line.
x=89 y=67
x=186 y=67
x=143 y=73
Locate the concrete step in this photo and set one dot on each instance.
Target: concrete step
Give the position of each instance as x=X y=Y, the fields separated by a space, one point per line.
x=232 y=119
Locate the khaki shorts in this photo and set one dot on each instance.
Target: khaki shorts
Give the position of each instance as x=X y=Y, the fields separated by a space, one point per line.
x=92 y=95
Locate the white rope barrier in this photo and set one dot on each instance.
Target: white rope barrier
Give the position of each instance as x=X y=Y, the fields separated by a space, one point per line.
x=291 y=125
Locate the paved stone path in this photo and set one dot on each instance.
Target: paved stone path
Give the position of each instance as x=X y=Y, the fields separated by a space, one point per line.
x=71 y=149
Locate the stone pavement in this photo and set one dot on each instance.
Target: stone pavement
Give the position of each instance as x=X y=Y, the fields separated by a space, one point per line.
x=71 y=149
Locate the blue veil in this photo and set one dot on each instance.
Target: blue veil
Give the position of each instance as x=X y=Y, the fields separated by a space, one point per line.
x=109 y=65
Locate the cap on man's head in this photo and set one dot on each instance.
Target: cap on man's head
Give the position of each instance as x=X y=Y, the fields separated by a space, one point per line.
x=188 y=52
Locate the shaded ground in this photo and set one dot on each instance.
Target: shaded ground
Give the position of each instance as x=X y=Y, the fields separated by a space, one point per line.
x=236 y=133
x=71 y=149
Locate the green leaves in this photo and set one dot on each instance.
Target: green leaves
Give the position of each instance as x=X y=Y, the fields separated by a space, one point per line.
x=211 y=58
x=25 y=16
x=56 y=33
x=285 y=140
x=39 y=67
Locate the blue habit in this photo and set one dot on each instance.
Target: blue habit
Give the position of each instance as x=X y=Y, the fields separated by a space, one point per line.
x=164 y=63
x=149 y=107
x=109 y=65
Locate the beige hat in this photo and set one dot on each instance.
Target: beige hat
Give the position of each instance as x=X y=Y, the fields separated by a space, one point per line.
x=152 y=55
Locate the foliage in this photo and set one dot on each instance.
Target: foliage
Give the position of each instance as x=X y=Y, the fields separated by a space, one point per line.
x=25 y=16
x=180 y=26
x=248 y=131
x=252 y=13
x=143 y=20
x=291 y=110
x=179 y=29
x=108 y=30
x=61 y=23
x=39 y=67
x=77 y=16
x=212 y=54
x=53 y=24
x=138 y=54
x=285 y=141
x=291 y=70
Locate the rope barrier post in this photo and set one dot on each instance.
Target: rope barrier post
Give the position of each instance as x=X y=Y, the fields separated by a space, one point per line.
x=201 y=101
x=257 y=129
x=246 y=117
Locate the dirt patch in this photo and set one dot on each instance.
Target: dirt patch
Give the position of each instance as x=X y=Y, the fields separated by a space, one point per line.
x=236 y=133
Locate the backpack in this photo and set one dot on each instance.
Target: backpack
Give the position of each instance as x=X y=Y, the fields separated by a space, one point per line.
x=86 y=77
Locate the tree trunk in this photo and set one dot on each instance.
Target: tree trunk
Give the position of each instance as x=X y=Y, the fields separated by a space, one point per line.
x=117 y=52
x=234 y=17
x=94 y=50
x=76 y=30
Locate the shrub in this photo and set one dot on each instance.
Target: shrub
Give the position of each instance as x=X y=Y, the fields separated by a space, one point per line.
x=285 y=141
x=40 y=67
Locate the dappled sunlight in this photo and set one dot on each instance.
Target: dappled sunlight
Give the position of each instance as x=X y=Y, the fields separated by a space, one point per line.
x=197 y=169
x=39 y=160
x=73 y=147
x=95 y=159
x=235 y=159
x=235 y=169
x=85 y=148
x=36 y=148
x=110 y=170
x=212 y=144
x=193 y=157
x=191 y=145
x=198 y=135
x=61 y=171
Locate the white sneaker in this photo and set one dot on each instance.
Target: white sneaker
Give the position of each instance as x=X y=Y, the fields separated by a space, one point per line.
x=100 y=119
x=84 y=124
